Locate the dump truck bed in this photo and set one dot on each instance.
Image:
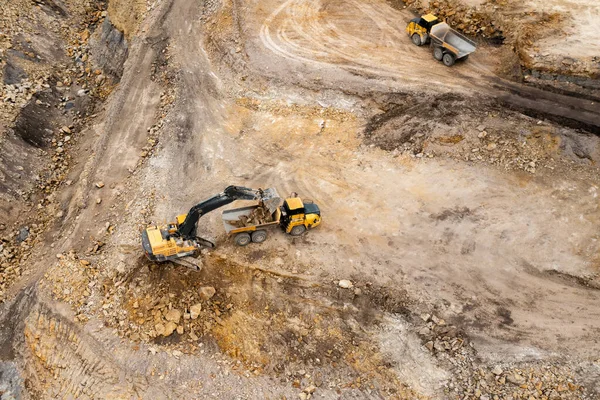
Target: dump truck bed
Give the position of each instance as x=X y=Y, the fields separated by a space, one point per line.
x=230 y=217
x=442 y=35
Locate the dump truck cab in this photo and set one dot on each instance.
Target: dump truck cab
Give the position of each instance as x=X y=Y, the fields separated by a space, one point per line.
x=249 y=224
x=297 y=216
x=419 y=28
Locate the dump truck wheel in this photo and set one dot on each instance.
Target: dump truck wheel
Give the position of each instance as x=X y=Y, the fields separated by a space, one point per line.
x=438 y=53
x=242 y=239
x=259 y=236
x=416 y=39
x=449 y=60
x=297 y=230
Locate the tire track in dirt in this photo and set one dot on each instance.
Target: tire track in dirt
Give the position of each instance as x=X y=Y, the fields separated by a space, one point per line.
x=328 y=34
x=308 y=33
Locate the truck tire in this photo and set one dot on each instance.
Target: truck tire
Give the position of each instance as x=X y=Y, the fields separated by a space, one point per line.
x=259 y=236
x=298 y=230
x=242 y=239
x=416 y=39
x=449 y=60
x=438 y=53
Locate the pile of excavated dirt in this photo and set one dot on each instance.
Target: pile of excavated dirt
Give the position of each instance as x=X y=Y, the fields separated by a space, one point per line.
x=473 y=21
x=433 y=127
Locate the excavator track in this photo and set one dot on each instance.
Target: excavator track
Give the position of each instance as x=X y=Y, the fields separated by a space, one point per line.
x=189 y=262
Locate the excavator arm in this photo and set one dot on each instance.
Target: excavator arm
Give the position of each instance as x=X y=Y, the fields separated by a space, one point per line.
x=187 y=229
x=178 y=242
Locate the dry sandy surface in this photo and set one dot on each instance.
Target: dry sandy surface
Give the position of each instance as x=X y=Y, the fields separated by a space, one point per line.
x=462 y=208
x=581 y=29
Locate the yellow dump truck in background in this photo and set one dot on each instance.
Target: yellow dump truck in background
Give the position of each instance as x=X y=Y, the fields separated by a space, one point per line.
x=448 y=45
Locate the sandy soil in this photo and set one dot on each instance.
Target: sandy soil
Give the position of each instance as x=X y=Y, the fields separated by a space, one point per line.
x=580 y=37
x=469 y=230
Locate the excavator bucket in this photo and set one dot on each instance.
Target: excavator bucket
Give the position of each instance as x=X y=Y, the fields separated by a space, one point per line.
x=271 y=199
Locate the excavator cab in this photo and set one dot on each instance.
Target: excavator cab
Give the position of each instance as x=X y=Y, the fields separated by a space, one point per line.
x=160 y=244
x=419 y=28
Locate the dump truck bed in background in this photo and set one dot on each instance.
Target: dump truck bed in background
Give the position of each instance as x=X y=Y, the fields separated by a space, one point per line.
x=451 y=40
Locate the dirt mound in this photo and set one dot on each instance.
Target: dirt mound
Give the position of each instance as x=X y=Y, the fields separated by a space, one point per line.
x=473 y=21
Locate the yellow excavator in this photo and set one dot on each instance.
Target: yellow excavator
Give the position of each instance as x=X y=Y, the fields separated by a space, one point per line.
x=178 y=242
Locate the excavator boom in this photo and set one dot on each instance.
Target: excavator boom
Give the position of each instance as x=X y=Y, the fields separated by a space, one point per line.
x=175 y=241
x=187 y=229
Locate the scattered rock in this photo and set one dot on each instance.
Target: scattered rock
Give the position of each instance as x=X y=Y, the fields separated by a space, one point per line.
x=345 y=284
x=195 y=310
x=173 y=316
x=497 y=370
x=23 y=234
x=515 y=379
x=207 y=292
x=169 y=328
x=160 y=329
x=310 y=389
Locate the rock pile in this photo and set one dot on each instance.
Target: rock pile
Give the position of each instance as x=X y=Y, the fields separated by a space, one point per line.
x=73 y=280
x=533 y=150
x=483 y=135
x=144 y=313
x=471 y=21
x=15 y=248
x=166 y=76
x=258 y=216
x=473 y=380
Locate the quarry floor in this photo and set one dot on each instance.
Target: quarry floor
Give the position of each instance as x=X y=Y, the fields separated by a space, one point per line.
x=466 y=222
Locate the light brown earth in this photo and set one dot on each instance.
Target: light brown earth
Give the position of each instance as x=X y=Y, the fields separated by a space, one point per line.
x=462 y=207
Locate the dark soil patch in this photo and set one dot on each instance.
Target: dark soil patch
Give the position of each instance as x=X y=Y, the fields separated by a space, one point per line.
x=13 y=73
x=505 y=315
x=455 y=214
x=408 y=119
x=33 y=122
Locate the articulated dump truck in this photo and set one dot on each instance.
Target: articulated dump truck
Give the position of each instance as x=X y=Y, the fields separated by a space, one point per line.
x=448 y=45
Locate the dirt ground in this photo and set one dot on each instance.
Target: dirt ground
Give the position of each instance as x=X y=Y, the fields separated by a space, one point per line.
x=458 y=256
